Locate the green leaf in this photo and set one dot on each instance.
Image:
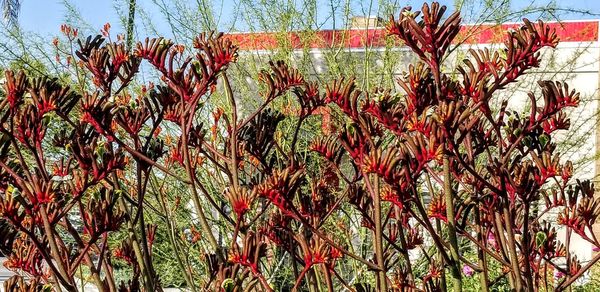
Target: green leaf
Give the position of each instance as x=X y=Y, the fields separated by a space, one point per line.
x=540 y=238
x=228 y=285
x=527 y=141
x=517 y=132
x=544 y=139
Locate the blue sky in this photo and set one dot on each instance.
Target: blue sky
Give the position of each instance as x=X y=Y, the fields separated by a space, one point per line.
x=44 y=17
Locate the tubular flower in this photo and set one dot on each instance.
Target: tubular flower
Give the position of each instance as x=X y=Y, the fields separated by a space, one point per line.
x=125 y=252
x=354 y=141
x=421 y=125
x=316 y=205
x=131 y=118
x=23 y=284
x=309 y=97
x=151 y=235
x=389 y=195
x=61 y=170
x=49 y=95
x=557 y=96
x=252 y=251
x=280 y=186
x=400 y=280
x=589 y=210
x=387 y=109
x=101 y=215
x=100 y=160
x=437 y=208
x=281 y=79
x=30 y=128
x=548 y=166
x=553 y=198
x=567 y=171
x=418 y=84
x=317 y=251
x=573 y=220
x=526 y=180
x=547 y=244
x=98 y=114
x=258 y=134
x=574 y=267
x=327 y=147
x=15 y=87
x=423 y=150
x=45 y=196
x=433 y=276
x=70 y=32
x=383 y=163
x=175 y=155
x=26 y=257
x=107 y=62
x=414 y=238
x=118 y=54
x=276 y=229
x=428 y=38
x=216 y=51
x=240 y=201
x=345 y=95
x=558 y=122
x=10 y=208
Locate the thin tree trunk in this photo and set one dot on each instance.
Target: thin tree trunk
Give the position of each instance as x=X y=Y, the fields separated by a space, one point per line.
x=130 y=25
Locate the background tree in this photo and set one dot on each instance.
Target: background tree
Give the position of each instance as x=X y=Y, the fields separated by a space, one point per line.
x=10 y=11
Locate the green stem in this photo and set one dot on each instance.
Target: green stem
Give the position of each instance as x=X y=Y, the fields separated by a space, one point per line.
x=512 y=250
x=444 y=286
x=55 y=251
x=161 y=198
x=136 y=249
x=142 y=227
x=196 y=199
x=483 y=276
x=132 y=235
x=378 y=234
x=454 y=254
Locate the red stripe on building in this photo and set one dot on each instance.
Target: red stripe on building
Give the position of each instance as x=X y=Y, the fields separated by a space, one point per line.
x=583 y=31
